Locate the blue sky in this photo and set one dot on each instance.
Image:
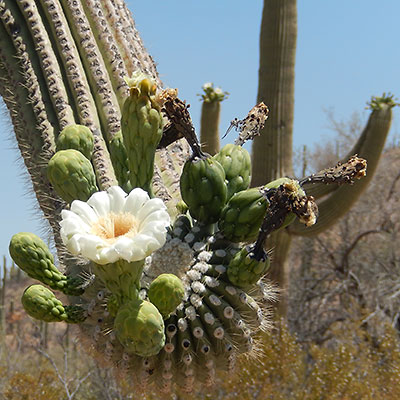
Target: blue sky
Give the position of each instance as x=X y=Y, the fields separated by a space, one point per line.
x=347 y=51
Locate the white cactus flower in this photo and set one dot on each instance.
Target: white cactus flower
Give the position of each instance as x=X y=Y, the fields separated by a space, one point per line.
x=207 y=85
x=112 y=225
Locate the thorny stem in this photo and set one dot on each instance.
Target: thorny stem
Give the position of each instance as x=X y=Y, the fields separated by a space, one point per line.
x=250 y=126
x=341 y=173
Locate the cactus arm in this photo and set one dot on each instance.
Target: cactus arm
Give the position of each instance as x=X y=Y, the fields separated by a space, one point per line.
x=96 y=72
x=272 y=150
x=209 y=122
x=344 y=197
x=368 y=146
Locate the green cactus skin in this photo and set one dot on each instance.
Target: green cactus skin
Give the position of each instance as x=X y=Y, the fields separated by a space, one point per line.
x=242 y=216
x=121 y=278
x=32 y=255
x=40 y=303
x=244 y=271
x=140 y=328
x=203 y=188
x=141 y=125
x=119 y=159
x=166 y=293
x=237 y=166
x=72 y=175
x=77 y=137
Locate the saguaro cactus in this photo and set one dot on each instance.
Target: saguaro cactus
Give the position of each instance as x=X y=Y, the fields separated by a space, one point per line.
x=166 y=299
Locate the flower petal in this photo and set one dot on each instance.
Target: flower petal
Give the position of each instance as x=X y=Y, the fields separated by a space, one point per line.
x=130 y=249
x=100 y=202
x=84 y=211
x=107 y=255
x=136 y=200
x=150 y=214
x=72 y=224
x=149 y=207
x=117 y=199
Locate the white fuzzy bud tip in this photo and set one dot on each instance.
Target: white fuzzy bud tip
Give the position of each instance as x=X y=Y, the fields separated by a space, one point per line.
x=182 y=324
x=221 y=269
x=219 y=332
x=228 y=312
x=209 y=318
x=231 y=290
x=215 y=300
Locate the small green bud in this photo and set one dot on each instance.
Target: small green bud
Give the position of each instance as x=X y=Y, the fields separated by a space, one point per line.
x=237 y=166
x=140 y=328
x=72 y=175
x=40 y=303
x=203 y=188
x=166 y=293
x=78 y=137
x=244 y=270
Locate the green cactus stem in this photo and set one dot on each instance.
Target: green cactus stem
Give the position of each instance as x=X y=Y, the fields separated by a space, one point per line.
x=272 y=150
x=72 y=175
x=119 y=158
x=32 y=255
x=40 y=303
x=210 y=115
x=121 y=278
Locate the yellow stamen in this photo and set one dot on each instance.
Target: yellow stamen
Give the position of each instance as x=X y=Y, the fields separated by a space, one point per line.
x=113 y=226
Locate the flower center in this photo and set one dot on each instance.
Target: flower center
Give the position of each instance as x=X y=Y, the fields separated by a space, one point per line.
x=113 y=226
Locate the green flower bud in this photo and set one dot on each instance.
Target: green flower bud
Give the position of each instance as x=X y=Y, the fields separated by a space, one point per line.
x=203 y=188
x=72 y=175
x=166 y=293
x=237 y=166
x=244 y=270
x=119 y=159
x=40 y=303
x=32 y=255
x=78 y=137
x=140 y=328
x=242 y=216
x=142 y=128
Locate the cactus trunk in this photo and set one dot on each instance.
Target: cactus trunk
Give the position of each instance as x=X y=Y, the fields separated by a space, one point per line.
x=272 y=150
